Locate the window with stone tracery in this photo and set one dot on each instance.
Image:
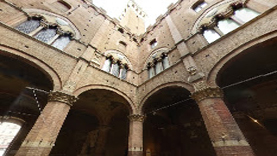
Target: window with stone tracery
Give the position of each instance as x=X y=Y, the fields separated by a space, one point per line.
x=157 y=63
x=49 y=33
x=117 y=65
x=225 y=24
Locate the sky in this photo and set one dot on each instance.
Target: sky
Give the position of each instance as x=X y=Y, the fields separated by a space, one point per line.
x=153 y=8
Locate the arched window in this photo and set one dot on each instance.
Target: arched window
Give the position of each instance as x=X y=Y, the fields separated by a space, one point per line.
x=198 y=6
x=8 y=132
x=48 y=33
x=153 y=43
x=61 y=5
x=61 y=42
x=117 y=65
x=227 y=25
x=158 y=64
x=28 y=26
x=211 y=35
x=245 y=14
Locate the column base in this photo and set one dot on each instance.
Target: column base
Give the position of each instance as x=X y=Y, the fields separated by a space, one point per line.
x=135 y=153
x=234 y=151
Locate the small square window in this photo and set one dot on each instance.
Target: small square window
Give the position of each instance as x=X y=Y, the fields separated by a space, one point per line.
x=199 y=6
x=153 y=43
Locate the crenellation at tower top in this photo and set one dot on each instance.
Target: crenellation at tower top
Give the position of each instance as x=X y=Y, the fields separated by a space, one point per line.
x=133 y=17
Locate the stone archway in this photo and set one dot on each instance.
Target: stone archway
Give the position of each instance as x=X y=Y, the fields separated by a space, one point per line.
x=17 y=76
x=98 y=125
x=249 y=82
x=174 y=125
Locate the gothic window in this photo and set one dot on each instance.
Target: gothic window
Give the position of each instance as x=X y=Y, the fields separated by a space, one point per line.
x=245 y=14
x=115 y=68
x=153 y=43
x=227 y=25
x=157 y=65
x=211 y=35
x=116 y=65
x=46 y=34
x=61 y=42
x=28 y=26
x=197 y=7
x=8 y=132
x=107 y=65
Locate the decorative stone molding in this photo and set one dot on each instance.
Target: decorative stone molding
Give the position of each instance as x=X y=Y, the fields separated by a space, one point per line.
x=192 y=70
x=200 y=85
x=217 y=12
x=62 y=97
x=207 y=93
x=137 y=117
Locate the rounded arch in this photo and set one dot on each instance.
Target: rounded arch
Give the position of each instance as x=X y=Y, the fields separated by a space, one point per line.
x=83 y=89
x=153 y=91
x=213 y=73
x=41 y=65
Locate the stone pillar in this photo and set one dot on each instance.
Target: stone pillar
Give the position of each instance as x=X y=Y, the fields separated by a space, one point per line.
x=227 y=139
x=136 y=135
x=42 y=136
x=102 y=139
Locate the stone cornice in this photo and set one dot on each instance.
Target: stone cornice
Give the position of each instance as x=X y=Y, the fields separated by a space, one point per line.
x=62 y=97
x=137 y=117
x=207 y=93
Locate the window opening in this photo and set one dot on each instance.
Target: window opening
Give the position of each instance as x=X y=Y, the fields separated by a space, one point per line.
x=199 y=6
x=211 y=35
x=153 y=43
x=227 y=25
x=8 y=132
x=245 y=14
x=28 y=26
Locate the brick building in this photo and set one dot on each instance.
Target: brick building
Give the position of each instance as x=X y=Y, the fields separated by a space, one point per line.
x=201 y=81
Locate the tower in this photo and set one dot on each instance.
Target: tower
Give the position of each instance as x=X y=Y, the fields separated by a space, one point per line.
x=133 y=17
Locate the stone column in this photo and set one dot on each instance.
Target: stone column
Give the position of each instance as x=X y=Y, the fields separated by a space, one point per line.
x=136 y=135
x=223 y=130
x=42 y=136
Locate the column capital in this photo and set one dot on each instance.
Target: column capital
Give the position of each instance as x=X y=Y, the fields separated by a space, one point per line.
x=208 y=92
x=62 y=97
x=137 y=117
